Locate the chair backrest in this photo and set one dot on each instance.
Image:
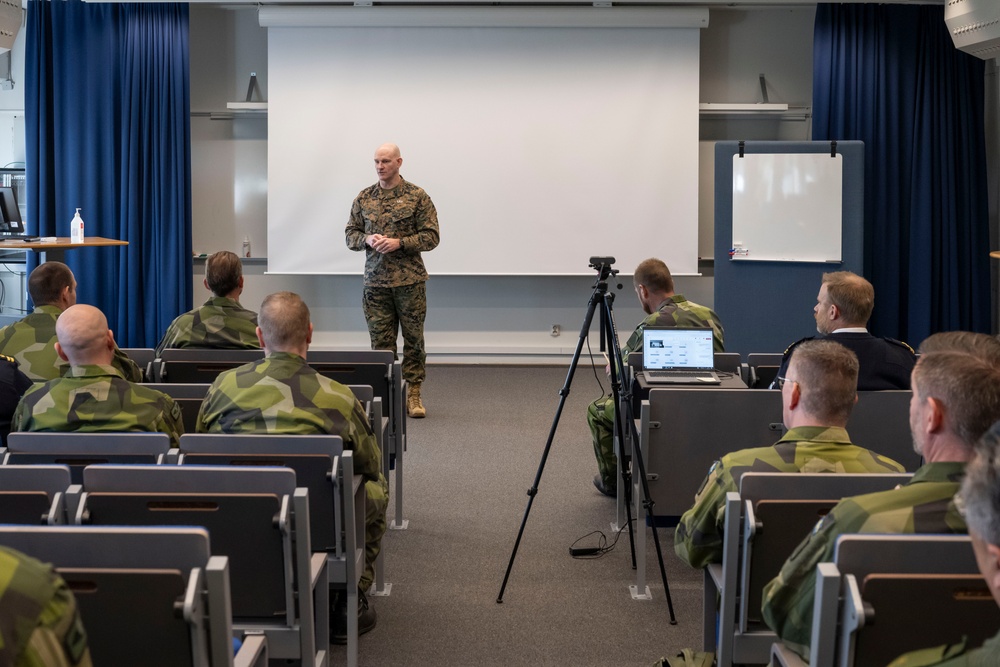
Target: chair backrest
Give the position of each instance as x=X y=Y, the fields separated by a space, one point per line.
x=311 y=457
x=880 y=421
x=691 y=427
x=728 y=362
x=78 y=450
x=194 y=365
x=779 y=510
x=143 y=358
x=33 y=494
x=246 y=510
x=183 y=618
x=763 y=368
x=860 y=558
x=188 y=396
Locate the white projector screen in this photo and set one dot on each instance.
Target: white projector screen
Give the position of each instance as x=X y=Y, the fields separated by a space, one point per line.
x=540 y=147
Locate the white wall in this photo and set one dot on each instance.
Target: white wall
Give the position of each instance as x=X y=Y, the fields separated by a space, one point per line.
x=469 y=317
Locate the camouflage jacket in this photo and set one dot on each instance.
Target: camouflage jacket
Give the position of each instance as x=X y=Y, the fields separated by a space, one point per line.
x=924 y=505
x=95 y=398
x=406 y=213
x=678 y=312
x=281 y=393
x=39 y=626
x=31 y=340
x=698 y=540
x=954 y=655
x=221 y=323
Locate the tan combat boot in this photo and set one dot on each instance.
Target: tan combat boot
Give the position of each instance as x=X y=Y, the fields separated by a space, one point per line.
x=414 y=408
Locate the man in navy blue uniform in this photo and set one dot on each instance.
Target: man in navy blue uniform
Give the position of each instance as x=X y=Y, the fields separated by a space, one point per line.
x=843 y=307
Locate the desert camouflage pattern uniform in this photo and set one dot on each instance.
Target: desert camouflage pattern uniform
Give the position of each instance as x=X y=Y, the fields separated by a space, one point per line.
x=31 y=340
x=676 y=311
x=953 y=655
x=96 y=398
x=810 y=449
x=395 y=294
x=39 y=623
x=282 y=394
x=924 y=505
x=221 y=323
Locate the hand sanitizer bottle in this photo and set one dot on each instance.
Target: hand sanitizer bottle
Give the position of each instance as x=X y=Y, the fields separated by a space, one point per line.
x=246 y=246
x=76 y=229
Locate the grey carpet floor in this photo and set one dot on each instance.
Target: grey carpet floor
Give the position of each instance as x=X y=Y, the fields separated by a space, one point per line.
x=469 y=465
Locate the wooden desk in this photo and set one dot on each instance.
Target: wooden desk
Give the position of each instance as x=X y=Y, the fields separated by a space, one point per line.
x=57 y=251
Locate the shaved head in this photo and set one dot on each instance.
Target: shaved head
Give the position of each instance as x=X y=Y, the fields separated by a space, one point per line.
x=83 y=336
x=387 y=164
x=389 y=150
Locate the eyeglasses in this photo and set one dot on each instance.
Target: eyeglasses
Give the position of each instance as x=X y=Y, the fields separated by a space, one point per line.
x=780 y=382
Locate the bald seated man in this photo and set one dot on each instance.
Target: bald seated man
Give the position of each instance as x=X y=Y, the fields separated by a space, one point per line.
x=93 y=396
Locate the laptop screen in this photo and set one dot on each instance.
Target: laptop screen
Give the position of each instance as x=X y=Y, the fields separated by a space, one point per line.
x=671 y=348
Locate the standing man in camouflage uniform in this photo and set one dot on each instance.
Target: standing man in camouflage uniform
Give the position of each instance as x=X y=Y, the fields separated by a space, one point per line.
x=281 y=393
x=655 y=288
x=843 y=307
x=93 y=396
x=39 y=623
x=956 y=398
x=980 y=498
x=31 y=340
x=817 y=397
x=221 y=323
x=393 y=221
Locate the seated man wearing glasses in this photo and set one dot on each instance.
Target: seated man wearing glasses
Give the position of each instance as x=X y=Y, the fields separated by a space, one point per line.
x=817 y=396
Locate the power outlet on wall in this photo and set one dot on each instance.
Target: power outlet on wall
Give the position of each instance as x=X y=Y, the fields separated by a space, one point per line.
x=556 y=330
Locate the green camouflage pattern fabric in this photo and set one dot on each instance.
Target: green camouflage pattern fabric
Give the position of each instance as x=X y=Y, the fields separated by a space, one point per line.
x=389 y=309
x=924 y=505
x=282 y=394
x=810 y=449
x=676 y=311
x=953 y=655
x=39 y=622
x=96 y=398
x=31 y=340
x=221 y=323
x=404 y=212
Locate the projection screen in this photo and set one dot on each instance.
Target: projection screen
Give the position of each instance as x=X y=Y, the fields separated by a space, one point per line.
x=540 y=146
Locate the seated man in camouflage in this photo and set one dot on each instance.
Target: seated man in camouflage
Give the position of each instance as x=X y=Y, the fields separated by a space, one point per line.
x=282 y=394
x=31 y=340
x=956 y=398
x=980 y=500
x=817 y=397
x=655 y=288
x=39 y=623
x=221 y=323
x=93 y=395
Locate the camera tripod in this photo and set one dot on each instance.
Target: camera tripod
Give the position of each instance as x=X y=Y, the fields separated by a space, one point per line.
x=622 y=402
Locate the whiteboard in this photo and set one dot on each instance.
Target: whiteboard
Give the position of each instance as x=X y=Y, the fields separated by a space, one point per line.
x=539 y=147
x=788 y=207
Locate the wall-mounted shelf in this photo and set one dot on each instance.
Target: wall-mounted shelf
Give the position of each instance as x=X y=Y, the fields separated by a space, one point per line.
x=751 y=110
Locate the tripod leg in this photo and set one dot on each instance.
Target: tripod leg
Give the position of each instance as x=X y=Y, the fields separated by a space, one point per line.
x=596 y=297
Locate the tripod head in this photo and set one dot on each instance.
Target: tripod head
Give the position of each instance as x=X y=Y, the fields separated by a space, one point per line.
x=604 y=271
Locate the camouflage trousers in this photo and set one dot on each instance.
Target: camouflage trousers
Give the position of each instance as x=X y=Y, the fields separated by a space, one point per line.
x=376 y=502
x=601 y=419
x=389 y=309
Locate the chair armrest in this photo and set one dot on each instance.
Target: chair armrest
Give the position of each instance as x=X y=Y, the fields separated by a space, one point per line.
x=253 y=652
x=782 y=656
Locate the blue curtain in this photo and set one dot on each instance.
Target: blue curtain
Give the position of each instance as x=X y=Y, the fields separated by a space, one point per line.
x=891 y=77
x=108 y=131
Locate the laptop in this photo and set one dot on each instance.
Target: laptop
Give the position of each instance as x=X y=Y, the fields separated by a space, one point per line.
x=672 y=355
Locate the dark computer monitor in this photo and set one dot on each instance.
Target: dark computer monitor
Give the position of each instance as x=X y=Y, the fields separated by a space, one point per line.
x=10 y=214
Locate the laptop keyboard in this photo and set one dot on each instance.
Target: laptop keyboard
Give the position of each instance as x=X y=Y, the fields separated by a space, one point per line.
x=676 y=374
